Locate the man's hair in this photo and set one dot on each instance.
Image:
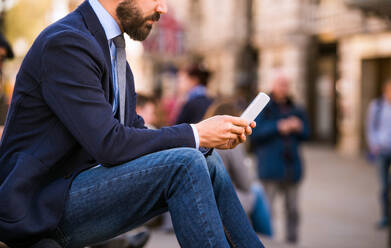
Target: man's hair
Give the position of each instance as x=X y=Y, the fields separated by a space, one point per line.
x=199 y=72
x=142 y=100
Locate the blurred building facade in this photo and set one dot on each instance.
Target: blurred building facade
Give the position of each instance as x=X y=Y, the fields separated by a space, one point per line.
x=336 y=55
x=335 y=52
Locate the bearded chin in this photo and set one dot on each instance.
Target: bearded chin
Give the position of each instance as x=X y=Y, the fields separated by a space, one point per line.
x=132 y=20
x=139 y=33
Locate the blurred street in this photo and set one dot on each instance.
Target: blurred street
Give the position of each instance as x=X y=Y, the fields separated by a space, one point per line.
x=339 y=205
x=326 y=65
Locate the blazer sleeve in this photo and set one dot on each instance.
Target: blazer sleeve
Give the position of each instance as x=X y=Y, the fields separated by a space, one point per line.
x=139 y=122
x=71 y=86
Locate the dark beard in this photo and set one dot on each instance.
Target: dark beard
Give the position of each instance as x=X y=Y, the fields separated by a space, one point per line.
x=132 y=20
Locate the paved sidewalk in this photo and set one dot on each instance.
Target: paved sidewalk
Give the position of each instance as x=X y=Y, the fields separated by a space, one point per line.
x=339 y=205
x=163 y=240
x=340 y=202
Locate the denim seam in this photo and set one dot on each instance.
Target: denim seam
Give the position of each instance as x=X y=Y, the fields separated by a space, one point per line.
x=124 y=175
x=229 y=237
x=198 y=204
x=113 y=179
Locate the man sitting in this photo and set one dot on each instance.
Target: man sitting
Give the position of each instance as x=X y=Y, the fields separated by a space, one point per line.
x=78 y=165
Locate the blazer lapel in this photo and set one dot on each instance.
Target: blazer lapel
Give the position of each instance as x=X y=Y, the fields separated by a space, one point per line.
x=96 y=29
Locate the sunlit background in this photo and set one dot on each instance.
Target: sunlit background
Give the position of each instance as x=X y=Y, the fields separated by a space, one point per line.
x=336 y=53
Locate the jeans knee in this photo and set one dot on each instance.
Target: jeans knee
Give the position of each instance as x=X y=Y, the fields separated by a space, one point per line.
x=187 y=170
x=191 y=160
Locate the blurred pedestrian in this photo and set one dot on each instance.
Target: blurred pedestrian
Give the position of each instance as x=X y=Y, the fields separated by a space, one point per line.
x=172 y=96
x=194 y=80
x=5 y=53
x=238 y=164
x=280 y=130
x=379 y=141
x=146 y=108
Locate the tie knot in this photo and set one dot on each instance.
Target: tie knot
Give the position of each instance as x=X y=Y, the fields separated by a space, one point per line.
x=119 y=41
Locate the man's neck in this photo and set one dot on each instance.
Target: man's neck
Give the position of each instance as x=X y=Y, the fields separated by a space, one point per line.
x=111 y=6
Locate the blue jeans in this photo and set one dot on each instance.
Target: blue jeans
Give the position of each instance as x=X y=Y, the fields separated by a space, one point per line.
x=384 y=162
x=197 y=191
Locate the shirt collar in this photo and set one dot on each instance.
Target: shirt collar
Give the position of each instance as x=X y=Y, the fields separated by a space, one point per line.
x=110 y=26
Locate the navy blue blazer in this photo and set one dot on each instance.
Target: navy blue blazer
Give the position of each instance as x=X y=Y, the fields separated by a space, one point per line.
x=60 y=123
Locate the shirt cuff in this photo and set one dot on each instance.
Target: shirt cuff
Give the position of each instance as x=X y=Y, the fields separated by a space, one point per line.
x=196 y=136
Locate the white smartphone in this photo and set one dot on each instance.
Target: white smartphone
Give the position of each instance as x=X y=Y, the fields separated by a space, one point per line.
x=255 y=107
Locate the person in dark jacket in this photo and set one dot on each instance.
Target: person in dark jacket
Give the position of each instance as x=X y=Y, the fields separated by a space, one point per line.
x=195 y=79
x=276 y=140
x=5 y=53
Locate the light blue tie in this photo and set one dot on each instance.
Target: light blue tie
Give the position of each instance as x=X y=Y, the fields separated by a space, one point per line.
x=119 y=42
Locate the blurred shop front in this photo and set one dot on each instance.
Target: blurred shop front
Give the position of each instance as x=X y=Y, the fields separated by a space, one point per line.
x=336 y=53
x=322 y=95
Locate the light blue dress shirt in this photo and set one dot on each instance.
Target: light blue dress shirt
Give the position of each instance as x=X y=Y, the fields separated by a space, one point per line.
x=112 y=30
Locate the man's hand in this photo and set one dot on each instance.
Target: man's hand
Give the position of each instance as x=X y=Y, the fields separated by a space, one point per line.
x=223 y=132
x=290 y=125
x=296 y=125
x=283 y=127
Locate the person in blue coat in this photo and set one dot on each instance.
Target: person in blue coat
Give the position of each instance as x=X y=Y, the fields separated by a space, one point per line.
x=276 y=140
